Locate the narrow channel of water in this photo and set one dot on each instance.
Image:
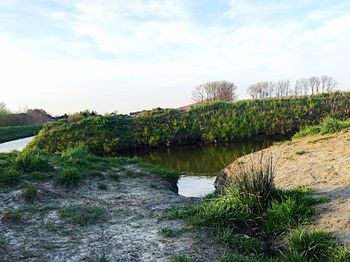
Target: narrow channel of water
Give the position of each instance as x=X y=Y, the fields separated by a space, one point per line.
x=18 y=144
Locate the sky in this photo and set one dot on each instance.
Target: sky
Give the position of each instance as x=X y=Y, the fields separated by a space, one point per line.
x=116 y=55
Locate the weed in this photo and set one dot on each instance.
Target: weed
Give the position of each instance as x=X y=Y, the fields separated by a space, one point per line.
x=32 y=160
x=9 y=177
x=68 y=177
x=29 y=193
x=169 y=232
x=182 y=258
x=300 y=152
x=312 y=245
x=102 y=186
x=82 y=216
x=12 y=216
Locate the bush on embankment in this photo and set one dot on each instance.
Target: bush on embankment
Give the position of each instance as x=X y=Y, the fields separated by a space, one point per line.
x=16 y=132
x=216 y=122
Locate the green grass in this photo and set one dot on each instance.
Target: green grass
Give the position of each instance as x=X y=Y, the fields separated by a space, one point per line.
x=29 y=193
x=252 y=213
x=102 y=186
x=12 y=216
x=16 y=132
x=300 y=152
x=9 y=177
x=210 y=123
x=170 y=232
x=315 y=245
x=314 y=141
x=82 y=216
x=33 y=160
x=328 y=126
x=69 y=177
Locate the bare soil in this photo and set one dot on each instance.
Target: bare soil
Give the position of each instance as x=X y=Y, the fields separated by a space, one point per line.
x=319 y=162
x=136 y=211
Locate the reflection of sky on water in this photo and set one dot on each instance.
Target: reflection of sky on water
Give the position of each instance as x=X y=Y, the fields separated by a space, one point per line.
x=195 y=186
x=15 y=144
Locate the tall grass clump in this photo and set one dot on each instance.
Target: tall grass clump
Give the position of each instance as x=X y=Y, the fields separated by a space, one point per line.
x=68 y=177
x=33 y=160
x=29 y=193
x=9 y=177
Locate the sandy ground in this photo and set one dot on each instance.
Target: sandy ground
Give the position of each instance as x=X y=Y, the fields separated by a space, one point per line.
x=320 y=162
x=136 y=208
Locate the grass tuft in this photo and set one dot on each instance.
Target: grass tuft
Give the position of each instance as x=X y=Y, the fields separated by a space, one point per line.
x=68 y=177
x=33 y=160
x=102 y=186
x=102 y=258
x=9 y=177
x=12 y=216
x=29 y=193
x=82 y=216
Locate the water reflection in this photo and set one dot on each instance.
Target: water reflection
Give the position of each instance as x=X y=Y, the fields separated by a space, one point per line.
x=18 y=144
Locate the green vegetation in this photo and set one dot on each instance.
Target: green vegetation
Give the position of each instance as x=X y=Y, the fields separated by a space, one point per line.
x=82 y=216
x=327 y=126
x=169 y=232
x=29 y=193
x=16 y=132
x=252 y=215
x=102 y=186
x=300 y=152
x=68 y=177
x=209 y=123
x=2 y=242
x=33 y=160
x=12 y=216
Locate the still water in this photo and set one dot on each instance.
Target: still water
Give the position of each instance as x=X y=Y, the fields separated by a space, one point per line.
x=197 y=164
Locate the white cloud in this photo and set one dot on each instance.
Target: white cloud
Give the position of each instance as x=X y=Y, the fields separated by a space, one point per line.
x=155 y=53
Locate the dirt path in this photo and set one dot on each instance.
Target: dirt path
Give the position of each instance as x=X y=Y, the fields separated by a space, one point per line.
x=135 y=208
x=320 y=162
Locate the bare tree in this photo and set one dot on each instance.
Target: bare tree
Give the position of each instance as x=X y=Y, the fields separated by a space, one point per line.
x=314 y=83
x=217 y=90
x=328 y=83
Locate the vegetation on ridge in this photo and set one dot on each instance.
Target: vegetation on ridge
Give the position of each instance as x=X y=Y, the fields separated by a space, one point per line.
x=210 y=123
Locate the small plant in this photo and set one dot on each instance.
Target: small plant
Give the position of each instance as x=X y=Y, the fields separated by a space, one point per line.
x=29 y=193
x=9 y=177
x=68 y=177
x=311 y=245
x=12 y=216
x=98 y=259
x=2 y=242
x=102 y=186
x=32 y=160
x=169 y=232
x=78 y=156
x=82 y=216
x=300 y=152
x=114 y=175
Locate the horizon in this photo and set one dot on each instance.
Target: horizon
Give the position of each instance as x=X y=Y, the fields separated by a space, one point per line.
x=68 y=56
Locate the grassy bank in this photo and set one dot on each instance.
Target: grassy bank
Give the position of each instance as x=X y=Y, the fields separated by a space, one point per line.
x=68 y=168
x=16 y=132
x=264 y=223
x=217 y=122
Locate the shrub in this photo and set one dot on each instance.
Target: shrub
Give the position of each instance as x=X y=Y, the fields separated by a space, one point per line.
x=68 y=177
x=330 y=125
x=29 y=193
x=9 y=177
x=32 y=160
x=82 y=216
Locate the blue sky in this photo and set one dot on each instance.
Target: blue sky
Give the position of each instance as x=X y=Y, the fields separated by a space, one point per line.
x=107 y=55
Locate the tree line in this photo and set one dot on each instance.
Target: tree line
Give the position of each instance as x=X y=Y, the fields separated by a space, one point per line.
x=226 y=91
x=301 y=87
x=29 y=117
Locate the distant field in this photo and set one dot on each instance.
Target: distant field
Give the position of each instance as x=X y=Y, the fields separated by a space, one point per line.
x=16 y=132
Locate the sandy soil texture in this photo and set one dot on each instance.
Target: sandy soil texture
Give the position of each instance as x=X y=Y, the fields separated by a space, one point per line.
x=136 y=207
x=320 y=162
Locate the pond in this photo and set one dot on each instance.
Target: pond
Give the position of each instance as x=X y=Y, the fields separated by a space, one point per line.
x=197 y=164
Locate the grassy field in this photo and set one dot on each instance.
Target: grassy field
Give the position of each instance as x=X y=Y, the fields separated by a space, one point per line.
x=210 y=123
x=16 y=132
